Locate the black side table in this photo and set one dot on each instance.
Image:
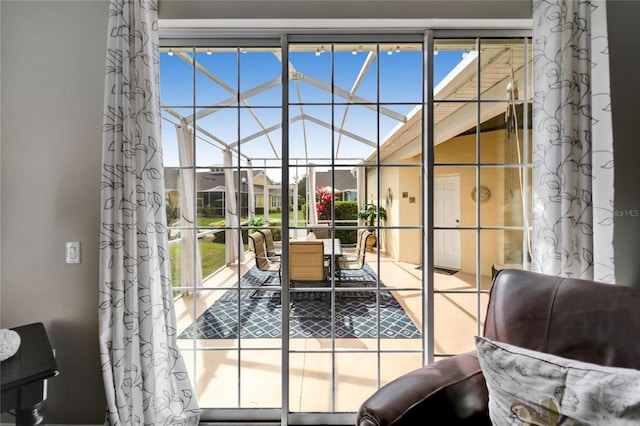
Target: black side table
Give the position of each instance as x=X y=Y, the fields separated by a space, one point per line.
x=23 y=375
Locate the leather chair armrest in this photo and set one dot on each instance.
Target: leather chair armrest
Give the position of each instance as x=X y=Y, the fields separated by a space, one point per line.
x=448 y=392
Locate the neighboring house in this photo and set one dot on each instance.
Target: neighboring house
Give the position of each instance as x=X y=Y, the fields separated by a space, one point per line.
x=211 y=190
x=344 y=184
x=260 y=180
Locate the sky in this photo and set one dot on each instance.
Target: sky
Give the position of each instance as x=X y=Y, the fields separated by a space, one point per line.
x=394 y=80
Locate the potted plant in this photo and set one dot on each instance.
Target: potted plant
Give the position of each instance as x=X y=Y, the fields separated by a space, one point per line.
x=370 y=212
x=256 y=223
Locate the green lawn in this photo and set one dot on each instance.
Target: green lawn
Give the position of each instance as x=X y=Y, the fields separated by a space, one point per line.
x=212 y=257
x=204 y=222
x=210 y=221
x=212 y=254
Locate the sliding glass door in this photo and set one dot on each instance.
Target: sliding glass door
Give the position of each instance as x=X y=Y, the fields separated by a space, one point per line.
x=222 y=142
x=298 y=174
x=481 y=178
x=361 y=326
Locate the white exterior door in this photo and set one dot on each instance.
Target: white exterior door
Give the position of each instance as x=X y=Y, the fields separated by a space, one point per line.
x=447 y=215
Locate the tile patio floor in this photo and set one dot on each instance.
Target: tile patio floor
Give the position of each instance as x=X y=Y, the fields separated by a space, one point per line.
x=217 y=374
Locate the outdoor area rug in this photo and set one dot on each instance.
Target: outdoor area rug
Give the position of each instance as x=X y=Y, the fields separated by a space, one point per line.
x=356 y=313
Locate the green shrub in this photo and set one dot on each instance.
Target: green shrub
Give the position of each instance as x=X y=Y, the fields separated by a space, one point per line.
x=208 y=210
x=277 y=234
x=346 y=210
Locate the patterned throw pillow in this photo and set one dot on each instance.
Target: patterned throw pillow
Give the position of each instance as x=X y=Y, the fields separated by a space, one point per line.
x=534 y=388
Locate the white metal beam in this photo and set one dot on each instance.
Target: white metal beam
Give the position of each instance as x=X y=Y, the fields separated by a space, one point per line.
x=363 y=71
x=293 y=76
x=232 y=100
x=209 y=74
x=357 y=99
x=203 y=131
x=341 y=131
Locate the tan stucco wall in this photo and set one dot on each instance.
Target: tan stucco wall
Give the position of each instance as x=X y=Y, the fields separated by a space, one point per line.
x=489 y=211
x=403 y=245
x=502 y=209
x=409 y=214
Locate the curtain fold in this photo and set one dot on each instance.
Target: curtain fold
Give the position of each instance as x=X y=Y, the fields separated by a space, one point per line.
x=267 y=200
x=312 y=218
x=190 y=261
x=573 y=149
x=360 y=179
x=251 y=201
x=232 y=222
x=145 y=378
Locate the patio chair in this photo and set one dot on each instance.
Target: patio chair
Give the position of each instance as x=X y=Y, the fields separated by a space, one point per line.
x=307 y=262
x=353 y=249
x=323 y=232
x=263 y=262
x=357 y=262
x=272 y=251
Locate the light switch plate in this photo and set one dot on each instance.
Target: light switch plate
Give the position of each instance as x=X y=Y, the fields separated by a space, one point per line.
x=73 y=252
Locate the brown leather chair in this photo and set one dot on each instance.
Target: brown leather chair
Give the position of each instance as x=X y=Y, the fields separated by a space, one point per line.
x=578 y=319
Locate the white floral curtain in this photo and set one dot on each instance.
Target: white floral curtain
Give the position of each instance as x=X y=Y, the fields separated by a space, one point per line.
x=573 y=148
x=144 y=375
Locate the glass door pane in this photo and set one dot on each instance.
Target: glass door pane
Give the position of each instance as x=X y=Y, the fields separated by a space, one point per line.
x=361 y=309
x=222 y=111
x=482 y=185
